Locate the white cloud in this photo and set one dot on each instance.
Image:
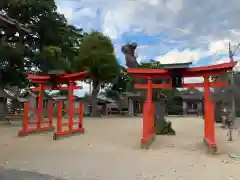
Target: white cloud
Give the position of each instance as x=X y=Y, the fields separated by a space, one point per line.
x=192 y=29
x=193 y=80
x=174 y=5
x=86 y=12
x=154 y=16
x=66 y=8
x=176 y=56
x=219 y=46
x=85 y=89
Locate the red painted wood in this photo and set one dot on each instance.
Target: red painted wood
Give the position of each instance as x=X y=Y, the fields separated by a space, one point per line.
x=50 y=114
x=71 y=126
x=165 y=76
x=35 y=77
x=57 y=88
x=34 y=126
x=61 y=78
x=80 y=115
x=211 y=123
x=74 y=76
x=70 y=105
x=149 y=91
x=205 y=71
x=40 y=106
x=154 y=86
x=188 y=85
x=25 y=117
x=190 y=72
x=145 y=123
x=184 y=74
x=225 y=66
x=59 y=117
x=211 y=84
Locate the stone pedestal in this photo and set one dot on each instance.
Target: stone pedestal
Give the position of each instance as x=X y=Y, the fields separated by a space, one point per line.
x=159 y=114
x=130 y=107
x=185 y=107
x=199 y=108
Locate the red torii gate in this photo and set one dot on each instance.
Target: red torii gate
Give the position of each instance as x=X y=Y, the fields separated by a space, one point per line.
x=58 y=79
x=148 y=135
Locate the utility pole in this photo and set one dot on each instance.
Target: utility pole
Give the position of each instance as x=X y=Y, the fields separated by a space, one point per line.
x=233 y=111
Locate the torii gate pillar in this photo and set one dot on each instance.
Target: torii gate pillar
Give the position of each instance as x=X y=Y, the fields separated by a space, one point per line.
x=209 y=130
x=148 y=118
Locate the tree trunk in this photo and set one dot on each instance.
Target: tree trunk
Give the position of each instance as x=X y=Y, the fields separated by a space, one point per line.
x=96 y=88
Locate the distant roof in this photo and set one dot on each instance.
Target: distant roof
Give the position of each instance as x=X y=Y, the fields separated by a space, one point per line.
x=192 y=94
x=131 y=94
x=100 y=98
x=59 y=97
x=176 y=65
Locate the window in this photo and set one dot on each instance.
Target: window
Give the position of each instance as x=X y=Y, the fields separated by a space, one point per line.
x=192 y=105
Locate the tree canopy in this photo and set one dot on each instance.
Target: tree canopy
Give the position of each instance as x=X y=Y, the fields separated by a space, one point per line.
x=96 y=55
x=52 y=43
x=122 y=82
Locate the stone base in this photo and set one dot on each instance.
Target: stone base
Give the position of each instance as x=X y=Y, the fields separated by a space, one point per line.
x=35 y=131
x=212 y=148
x=57 y=136
x=146 y=145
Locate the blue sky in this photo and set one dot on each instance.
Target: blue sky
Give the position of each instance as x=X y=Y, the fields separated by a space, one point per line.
x=169 y=31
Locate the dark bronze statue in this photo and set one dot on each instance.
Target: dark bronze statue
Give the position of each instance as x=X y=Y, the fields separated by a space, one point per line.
x=129 y=51
x=161 y=126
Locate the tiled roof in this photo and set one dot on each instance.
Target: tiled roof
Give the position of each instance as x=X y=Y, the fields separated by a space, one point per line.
x=192 y=93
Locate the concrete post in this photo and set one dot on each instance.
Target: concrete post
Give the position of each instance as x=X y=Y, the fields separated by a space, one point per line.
x=184 y=106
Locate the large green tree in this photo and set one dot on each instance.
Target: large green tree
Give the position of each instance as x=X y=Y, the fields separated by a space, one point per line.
x=96 y=55
x=52 y=43
x=122 y=82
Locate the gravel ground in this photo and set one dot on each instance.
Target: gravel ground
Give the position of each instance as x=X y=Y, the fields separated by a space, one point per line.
x=109 y=150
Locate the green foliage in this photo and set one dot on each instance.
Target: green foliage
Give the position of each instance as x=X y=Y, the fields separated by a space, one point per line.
x=52 y=43
x=151 y=64
x=12 y=66
x=63 y=93
x=174 y=109
x=222 y=77
x=165 y=129
x=122 y=82
x=96 y=55
x=171 y=93
x=51 y=58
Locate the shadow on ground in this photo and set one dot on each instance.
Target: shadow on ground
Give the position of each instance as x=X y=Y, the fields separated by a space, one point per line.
x=12 y=174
